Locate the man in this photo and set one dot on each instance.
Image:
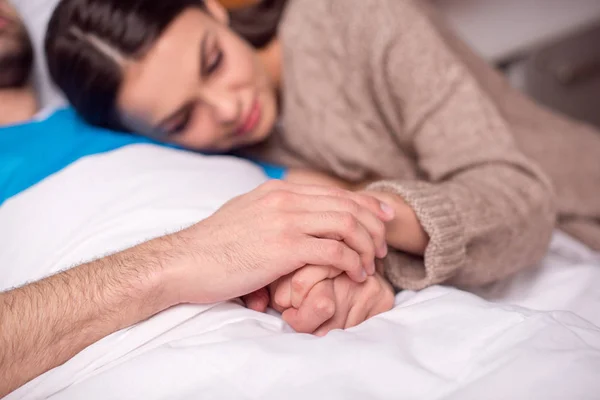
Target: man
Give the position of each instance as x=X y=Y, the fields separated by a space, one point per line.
x=57 y=209
x=16 y=59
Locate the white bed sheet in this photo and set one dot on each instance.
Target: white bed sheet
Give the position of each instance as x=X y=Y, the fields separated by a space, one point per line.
x=538 y=339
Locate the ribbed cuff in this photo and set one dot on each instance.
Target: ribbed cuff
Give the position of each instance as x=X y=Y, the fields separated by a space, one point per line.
x=446 y=252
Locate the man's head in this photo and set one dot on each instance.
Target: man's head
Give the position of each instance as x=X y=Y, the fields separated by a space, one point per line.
x=16 y=52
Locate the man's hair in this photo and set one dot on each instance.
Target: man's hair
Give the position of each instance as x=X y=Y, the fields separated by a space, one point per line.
x=87 y=40
x=16 y=60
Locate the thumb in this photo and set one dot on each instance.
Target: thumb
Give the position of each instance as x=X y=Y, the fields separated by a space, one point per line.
x=257 y=301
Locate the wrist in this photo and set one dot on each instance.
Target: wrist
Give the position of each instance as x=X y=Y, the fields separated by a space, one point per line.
x=188 y=272
x=164 y=268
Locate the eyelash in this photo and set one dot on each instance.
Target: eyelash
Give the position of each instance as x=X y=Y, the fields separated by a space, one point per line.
x=214 y=66
x=209 y=70
x=182 y=125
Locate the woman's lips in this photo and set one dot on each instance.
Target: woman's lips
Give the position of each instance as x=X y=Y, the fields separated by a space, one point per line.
x=251 y=120
x=6 y=24
x=3 y=22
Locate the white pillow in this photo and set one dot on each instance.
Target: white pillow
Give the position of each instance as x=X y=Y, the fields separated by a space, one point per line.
x=36 y=14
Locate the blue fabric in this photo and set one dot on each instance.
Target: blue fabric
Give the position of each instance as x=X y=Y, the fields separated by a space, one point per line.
x=272 y=171
x=33 y=151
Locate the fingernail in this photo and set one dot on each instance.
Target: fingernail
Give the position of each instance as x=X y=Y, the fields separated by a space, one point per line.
x=387 y=209
x=372 y=268
x=384 y=250
x=363 y=275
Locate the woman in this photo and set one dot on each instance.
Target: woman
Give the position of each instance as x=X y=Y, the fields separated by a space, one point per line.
x=375 y=92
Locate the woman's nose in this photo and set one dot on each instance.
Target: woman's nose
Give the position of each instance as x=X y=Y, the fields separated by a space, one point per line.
x=226 y=106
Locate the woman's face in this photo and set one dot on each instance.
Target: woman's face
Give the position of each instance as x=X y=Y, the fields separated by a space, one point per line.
x=200 y=86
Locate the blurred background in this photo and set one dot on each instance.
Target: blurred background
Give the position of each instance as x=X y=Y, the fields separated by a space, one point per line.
x=548 y=48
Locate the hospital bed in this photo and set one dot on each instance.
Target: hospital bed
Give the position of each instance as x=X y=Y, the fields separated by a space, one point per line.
x=534 y=336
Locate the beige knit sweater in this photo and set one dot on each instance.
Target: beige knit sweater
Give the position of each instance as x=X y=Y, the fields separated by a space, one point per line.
x=381 y=90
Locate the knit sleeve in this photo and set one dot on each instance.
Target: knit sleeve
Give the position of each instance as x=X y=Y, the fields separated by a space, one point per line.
x=487 y=209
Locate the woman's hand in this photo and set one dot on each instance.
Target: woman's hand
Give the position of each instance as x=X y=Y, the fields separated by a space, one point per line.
x=330 y=303
x=404 y=232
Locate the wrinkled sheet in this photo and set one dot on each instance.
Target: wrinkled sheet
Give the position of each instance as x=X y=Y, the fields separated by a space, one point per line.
x=539 y=339
x=534 y=336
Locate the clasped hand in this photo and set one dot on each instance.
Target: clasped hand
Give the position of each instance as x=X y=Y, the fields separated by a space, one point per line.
x=318 y=299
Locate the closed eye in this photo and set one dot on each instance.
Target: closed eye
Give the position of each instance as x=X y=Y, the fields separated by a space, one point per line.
x=182 y=123
x=210 y=59
x=215 y=63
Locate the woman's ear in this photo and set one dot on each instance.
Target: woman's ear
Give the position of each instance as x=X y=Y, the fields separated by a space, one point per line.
x=218 y=11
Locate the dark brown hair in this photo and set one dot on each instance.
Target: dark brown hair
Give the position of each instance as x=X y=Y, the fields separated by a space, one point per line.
x=84 y=36
x=258 y=24
x=16 y=63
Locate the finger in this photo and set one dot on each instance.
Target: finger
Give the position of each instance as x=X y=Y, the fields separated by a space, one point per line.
x=281 y=293
x=365 y=296
x=371 y=203
x=318 y=307
x=384 y=303
x=306 y=278
x=317 y=251
x=361 y=230
x=359 y=313
x=257 y=301
x=381 y=209
x=376 y=205
x=339 y=201
x=385 y=299
x=338 y=321
x=344 y=299
x=346 y=205
x=342 y=226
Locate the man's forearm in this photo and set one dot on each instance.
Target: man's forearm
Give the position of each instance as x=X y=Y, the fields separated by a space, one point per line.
x=46 y=323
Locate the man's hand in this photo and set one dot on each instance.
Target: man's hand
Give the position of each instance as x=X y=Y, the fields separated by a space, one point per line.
x=404 y=232
x=311 y=177
x=257 y=238
x=249 y=243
